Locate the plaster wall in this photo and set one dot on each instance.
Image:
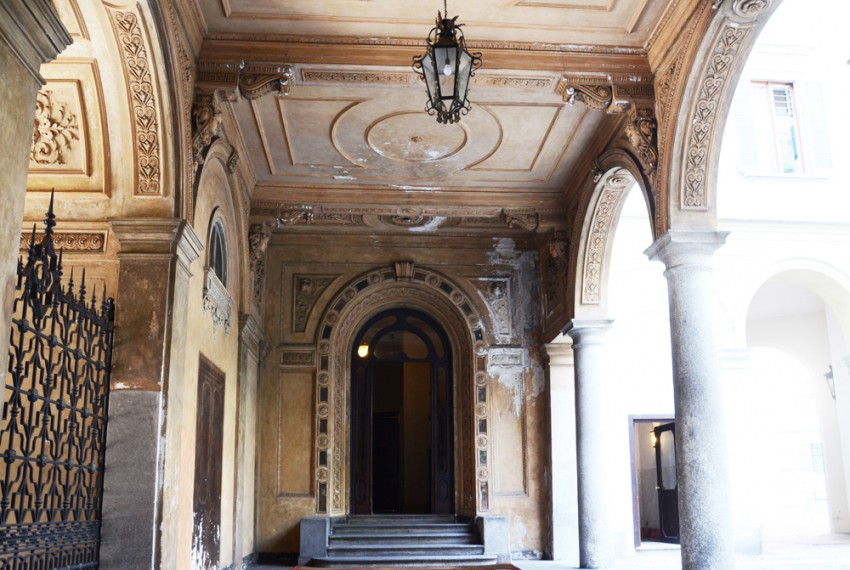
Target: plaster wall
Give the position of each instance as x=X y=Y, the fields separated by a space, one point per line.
x=304 y=274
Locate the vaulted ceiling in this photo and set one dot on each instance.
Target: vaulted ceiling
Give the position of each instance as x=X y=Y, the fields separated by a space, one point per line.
x=352 y=133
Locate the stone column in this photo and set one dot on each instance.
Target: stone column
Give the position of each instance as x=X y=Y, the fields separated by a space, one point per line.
x=705 y=511
x=594 y=511
x=562 y=434
x=151 y=305
x=30 y=34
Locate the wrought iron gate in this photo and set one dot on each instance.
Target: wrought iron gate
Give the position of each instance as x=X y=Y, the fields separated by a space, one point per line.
x=55 y=403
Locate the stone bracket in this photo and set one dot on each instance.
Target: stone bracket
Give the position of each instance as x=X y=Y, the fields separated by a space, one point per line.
x=249 y=79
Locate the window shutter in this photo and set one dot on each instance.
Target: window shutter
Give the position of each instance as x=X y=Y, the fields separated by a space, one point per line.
x=815 y=126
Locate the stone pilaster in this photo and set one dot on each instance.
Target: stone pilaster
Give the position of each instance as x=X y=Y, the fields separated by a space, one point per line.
x=250 y=355
x=562 y=426
x=705 y=511
x=592 y=427
x=152 y=297
x=30 y=34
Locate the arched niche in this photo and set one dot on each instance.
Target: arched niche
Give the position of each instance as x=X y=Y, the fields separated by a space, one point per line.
x=454 y=309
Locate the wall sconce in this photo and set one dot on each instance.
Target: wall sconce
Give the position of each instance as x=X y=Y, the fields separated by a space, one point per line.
x=830 y=381
x=363 y=350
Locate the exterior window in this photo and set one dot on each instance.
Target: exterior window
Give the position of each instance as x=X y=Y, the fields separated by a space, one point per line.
x=217 y=259
x=777 y=133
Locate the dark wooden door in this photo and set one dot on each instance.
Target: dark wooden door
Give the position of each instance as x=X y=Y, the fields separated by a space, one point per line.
x=208 y=453
x=668 y=486
x=381 y=454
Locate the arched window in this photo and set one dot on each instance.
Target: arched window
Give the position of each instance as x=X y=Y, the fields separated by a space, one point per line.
x=217 y=259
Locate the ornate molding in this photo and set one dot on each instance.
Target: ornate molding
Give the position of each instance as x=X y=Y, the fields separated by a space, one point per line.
x=142 y=96
x=217 y=301
x=258 y=241
x=404 y=270
x=750 y=8
x=641 y=131
x=55 y=129
x=601 y=223
x=496 y=292
x=362 y=296
x=90 y=242
x=371 y=77
x=298 y=357
x=704 y=117
x=555 y=266
x=524 y=219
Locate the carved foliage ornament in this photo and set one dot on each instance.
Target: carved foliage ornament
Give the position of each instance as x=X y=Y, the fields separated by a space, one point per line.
x=142 y=99
x=258 y=240
x=55 y=129
x=88 y=242
x=642 y=133
x=206 y=125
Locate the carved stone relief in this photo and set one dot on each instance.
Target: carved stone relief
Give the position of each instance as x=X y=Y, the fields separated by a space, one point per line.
x=217 y=301
x=642 y=132
x=497 y=294
x=143 y=100
x=258 y=241
x=306 y=289
x=56 y=132
x=555 y=266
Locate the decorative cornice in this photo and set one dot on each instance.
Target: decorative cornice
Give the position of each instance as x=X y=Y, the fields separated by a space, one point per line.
x=33 y=31
x=407 y=78
x=144 y=238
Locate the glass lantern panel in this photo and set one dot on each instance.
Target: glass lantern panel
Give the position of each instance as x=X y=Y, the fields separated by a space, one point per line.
x=464 y=71
x=445 y=59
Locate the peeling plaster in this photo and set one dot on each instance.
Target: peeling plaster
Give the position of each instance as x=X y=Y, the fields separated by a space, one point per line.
x=431 y=226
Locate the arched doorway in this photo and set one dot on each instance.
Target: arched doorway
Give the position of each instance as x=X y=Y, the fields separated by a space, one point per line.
x=401 y=416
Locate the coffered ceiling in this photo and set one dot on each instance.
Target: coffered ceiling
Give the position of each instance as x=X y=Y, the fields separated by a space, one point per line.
x=352 y=129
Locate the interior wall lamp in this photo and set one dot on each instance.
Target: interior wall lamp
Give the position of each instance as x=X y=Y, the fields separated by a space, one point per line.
x=446 y=66
x=830 y=381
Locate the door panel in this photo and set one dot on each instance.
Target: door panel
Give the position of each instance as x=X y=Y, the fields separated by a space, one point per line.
x=668 y=486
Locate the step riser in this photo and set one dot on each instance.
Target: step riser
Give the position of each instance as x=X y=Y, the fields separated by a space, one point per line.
x=396 y=540
x=406 y=552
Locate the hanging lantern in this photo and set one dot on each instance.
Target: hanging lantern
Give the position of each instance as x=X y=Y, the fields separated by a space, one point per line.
x=446 y=67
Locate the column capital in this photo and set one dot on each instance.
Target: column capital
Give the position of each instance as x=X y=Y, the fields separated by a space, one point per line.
x=559 y=353
x=587 y=330
x=150 y=239
x=677 y=247
x=32 y=29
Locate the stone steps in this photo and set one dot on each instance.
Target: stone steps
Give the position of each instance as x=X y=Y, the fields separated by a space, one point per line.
x=403 y=540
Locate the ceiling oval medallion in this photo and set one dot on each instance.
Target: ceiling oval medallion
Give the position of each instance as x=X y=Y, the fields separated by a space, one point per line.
x=414 y=136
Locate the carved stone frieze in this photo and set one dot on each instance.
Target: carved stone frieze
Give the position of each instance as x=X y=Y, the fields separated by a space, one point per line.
x=601 y=224
x=297 y=357
x=70 y=241
x=290 y=215
x=306 y=289
x=513 y=82
x=704 y=118
x=596 y=93
x=143 y=99
x=55 y=131
x=370 y=77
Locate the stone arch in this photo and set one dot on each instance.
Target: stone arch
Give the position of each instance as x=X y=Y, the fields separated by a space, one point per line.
x=707 y=88
x=467 y=329
x=617 y=172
